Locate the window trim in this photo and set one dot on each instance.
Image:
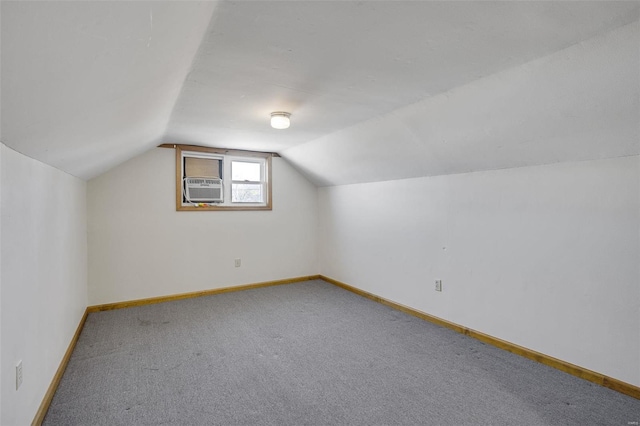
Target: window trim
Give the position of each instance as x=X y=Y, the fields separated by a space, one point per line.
x=226 y=153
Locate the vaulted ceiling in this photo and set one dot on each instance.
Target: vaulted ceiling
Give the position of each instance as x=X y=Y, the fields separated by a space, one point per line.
x=377 y=89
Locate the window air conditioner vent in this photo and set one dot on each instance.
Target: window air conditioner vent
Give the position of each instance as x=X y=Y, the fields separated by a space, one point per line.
x=203 y=190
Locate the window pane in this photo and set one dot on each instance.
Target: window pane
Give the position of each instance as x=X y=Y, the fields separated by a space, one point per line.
x=246 y=193
x=201 y=167
x=241 y=170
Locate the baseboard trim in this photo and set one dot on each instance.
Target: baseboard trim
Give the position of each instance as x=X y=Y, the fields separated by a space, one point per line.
x=575 y=370
x=48 y=396
x=162 y=299
x=592 y=376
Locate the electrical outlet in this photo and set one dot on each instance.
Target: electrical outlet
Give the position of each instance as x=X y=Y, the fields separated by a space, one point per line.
x=238 y=263
x=438 y=285
x=18 y=374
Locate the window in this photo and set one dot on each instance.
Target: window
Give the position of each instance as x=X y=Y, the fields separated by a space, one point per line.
x=217 y=179
x=247 y=181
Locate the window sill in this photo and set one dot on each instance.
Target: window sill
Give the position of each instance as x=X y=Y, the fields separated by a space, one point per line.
x=221 y=208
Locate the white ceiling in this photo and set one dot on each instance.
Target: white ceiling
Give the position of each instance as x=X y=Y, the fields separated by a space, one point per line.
x=581 y=103
x=377 y=89
x=87 y=85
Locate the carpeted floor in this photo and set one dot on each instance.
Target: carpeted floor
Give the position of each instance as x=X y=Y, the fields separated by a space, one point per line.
x=309 y=354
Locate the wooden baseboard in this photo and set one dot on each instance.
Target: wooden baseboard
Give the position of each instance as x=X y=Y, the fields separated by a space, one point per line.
x=46 y=401
x=162 y=299
x=592 y=376
x=575 y=370
x=48 y=396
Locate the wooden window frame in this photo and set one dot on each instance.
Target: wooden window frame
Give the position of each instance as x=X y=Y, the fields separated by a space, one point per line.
x=226 y=153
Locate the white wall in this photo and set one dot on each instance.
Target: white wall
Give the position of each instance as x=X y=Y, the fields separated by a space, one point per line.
x=0 y=220
x=1 y=380
x=545 y=257
x=140 y=246
x=43 y=276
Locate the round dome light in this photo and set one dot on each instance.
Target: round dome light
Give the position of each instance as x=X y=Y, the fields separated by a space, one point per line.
x=280 y=120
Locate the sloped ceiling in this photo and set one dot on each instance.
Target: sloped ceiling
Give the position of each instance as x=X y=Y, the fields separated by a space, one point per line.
x=377 y=90
x=87 y=85
x=581 y=103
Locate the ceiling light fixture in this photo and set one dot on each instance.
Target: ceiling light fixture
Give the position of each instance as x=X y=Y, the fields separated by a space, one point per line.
x=280 y=120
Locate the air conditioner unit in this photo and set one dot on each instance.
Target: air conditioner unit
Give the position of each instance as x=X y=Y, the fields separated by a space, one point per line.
x=203 y=190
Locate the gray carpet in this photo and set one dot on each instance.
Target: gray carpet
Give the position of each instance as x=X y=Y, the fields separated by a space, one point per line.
x=309 y=354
